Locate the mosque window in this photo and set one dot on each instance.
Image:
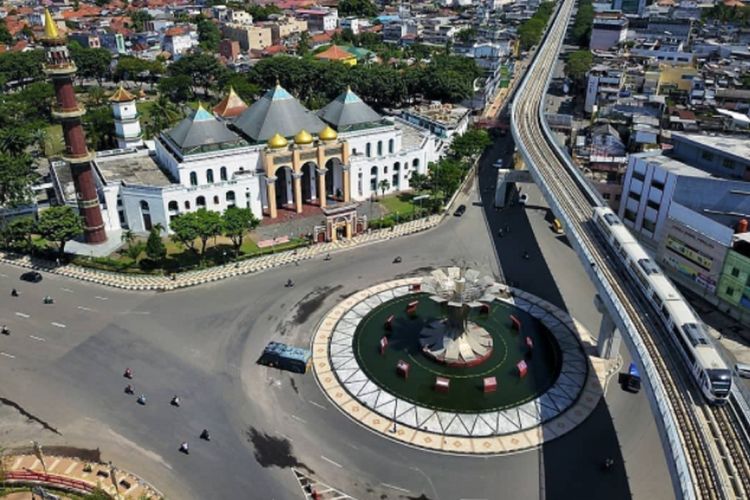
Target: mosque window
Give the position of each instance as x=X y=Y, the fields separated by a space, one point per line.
x=368 y=150
x=216 y=200
x=415 y=163
x=187 y=205
x=173 y=206
x=390 y=146
x=380 y=148
x=231 y=198
x=193 y=179
x=223 y=173
x=210 y=176
x=200 y=202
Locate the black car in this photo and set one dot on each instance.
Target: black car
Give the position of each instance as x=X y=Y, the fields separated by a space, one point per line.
x=460 y=210
x=32 y=277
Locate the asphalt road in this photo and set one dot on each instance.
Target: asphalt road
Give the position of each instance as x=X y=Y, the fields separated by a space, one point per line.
x=63 y=365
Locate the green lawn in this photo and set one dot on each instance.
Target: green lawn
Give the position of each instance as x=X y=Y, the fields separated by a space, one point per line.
x=400 y=202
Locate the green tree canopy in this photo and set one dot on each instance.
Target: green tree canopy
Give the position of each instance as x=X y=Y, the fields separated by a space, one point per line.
x=470 y=143
x=578 y=64
x=208 y=34
x=581 y=29
x=5 y=36
x=16 y=178
x=235 y=223
x=99 y=125
x=185 y=230
x=199 y=225
x=21 y=66
x=155 y=249
x=204 y=70
x=60 y=224
x=139 y=18
x=18 y=232
x=133 y=68
x=91 y=63
x=177 y=88
x=359 y=8
x=262 y=12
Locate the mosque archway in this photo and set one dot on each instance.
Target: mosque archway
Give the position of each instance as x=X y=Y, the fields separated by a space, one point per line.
x=334 y=179
x=284 y=195
x=309 y=177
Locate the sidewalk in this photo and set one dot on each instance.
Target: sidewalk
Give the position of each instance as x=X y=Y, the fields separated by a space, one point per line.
x=74 y=475
x=193 y=278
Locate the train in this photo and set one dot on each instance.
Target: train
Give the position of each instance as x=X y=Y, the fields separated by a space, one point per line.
x=707 y=368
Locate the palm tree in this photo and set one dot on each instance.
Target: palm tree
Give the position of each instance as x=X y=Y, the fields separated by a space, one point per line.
x=128 y=237
x=96 y=96
x=384 y=185
x=164 y=113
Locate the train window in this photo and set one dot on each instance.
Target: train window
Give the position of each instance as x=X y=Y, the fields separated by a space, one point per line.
x=649 y=266
x=658 y=302
x=617 y=245
x=695 y=334
x=611 y=219
x=685 y=348
x=664 y=310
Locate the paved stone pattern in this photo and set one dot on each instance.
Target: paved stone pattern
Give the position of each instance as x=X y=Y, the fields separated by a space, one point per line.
x=193 y=278
x=559 y=410
x=131 y=486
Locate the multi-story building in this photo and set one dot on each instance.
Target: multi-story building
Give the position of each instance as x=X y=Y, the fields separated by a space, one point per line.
x=608 y=30
x=635 y=7
x=442 y=120
x=350 y=23
x=86 y=40
x=734 y=284
x=229 y=49
x=237 y=16
x=722 y=156
x=603 y=85
x=320 y=20
x=249 y=37
x=286 y=26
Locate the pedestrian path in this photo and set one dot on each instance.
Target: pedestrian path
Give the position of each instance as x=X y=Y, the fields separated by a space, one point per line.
x=75 y=475
x=193 y=278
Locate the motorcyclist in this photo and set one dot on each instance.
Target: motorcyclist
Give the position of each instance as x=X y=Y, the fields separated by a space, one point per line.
x=14 y=293
x=175 y=401
x=142 y=399
x=184 y=448
x=5 y=330
x=328 y=256
x=205 y=435
x=397 y=259
x=48 y=299
x=129 y=389
x=289 y=283
x=128 y=373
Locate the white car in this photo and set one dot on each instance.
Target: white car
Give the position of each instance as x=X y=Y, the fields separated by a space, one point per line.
x=523 y=199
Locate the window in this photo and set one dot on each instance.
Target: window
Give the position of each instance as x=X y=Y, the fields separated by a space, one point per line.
x=144 y=206
x=638 y=175
x=216 y=200
x=634 y=196
x=354 y=151
x=187 y=205
x=649 y=225
x=730 y=290
x=193 y=179
x=380 y=148
x=368 y=150
x=735 y=272
x=707 y=155
x=200 y=202
x=172 y=206
x=630 y=215
x=390 y=146
x=385 y=170
x=657 y=184
x=231 y=199
x=652 y=204
x=415 y=163
x=223 y=173
x=727 y=163
x=605 y=196
x=210 y=176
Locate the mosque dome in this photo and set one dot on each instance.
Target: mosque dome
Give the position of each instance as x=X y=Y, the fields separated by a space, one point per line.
x=303 y=137
x=277 y=141
x=328 y=134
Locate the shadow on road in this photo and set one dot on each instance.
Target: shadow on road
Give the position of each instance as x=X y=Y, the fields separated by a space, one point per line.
x=572 y=465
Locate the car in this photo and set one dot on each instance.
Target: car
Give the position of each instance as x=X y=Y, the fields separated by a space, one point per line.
x=32 y=277
x=460 y=211
x=523 y=199
x=742 y=370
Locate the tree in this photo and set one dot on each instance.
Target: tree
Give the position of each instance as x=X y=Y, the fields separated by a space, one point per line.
x=203 y=69
x=164 y=113
x=466 y=35
x=470 y=143
x=60 y=224
x=446 y=175
x=23 y=67
x=209 y=225
x=16 y=178
x=200 y=225
x=139 y=18
x=359 y=8
x=18 y=231
x=236 y=222
x=91 y=63
x=185 y=231
x=100 y=128
x=581 y=29
x=15 y=140
x=262 y=12
x=128 y=236
x=578 y=64
x=155 y=249
x=178 y=88
x=133 y=68
x=5 y=36
x=419 y=182
x=135 y=250
x=208 y=34
x=303 y=45
x=383 y=186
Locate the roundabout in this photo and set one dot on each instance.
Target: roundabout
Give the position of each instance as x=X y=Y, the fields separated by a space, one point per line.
x=525 y=380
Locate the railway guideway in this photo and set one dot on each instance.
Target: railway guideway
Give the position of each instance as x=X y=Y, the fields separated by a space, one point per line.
x=683 y=432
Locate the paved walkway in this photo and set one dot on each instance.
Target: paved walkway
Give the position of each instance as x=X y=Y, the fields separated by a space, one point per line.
x=73 y=474
x=193 y=278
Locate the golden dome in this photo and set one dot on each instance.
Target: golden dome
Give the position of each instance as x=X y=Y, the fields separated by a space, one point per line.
x=303 y=137
x=277 y=141
x=328 y=134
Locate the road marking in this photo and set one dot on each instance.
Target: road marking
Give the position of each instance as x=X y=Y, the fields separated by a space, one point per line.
x=7 y=355
x=83 y=308
x=23 y=315
x=286 y=437
x=403 y=490
x=353 y=446
x=59 y=325
x=3 y=275
x=101 y=298
x=332 y=462
x=67 y=290
x=295 y=417
x=40 y=339
x=317 y=404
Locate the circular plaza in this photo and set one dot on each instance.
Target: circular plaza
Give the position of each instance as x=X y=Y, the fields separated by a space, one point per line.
x=457 y=363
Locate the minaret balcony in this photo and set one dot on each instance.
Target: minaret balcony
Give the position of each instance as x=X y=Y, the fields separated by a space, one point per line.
x=63 y=113
x=130 y=136
x=63 y=69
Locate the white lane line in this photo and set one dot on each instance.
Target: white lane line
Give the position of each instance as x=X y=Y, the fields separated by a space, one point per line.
x=295 y=417
x=40 y=339
x=286 y=437
x=67 y=290
x=3 y=275
x=317 y=404
x=101 y=298
x=331 y=462
x=59 y=325
x=403 y=490
x=22 y=315
x=83 y=308
x=7 y=355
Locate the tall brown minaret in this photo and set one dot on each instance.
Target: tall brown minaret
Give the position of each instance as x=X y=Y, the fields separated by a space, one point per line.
x=61 y=69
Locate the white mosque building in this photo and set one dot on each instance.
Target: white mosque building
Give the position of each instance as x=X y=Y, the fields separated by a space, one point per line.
x=274 y=157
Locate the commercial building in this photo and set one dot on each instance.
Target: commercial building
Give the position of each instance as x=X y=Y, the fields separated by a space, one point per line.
x=608 y=30
x=249 y=37
x=723 y=156
x=442 y=120
x=320 y=20
x=734 y=285
x=635 y=7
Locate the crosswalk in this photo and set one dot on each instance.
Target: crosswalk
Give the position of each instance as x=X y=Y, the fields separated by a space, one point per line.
x=317 y=490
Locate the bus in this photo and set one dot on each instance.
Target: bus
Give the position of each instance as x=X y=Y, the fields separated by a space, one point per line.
x=557 y=226
x=285 y=357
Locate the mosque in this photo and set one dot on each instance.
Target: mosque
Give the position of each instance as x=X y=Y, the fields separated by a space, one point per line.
x=275 y=157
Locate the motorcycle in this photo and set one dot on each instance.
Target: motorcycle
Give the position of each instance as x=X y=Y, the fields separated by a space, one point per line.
x=14 y=293
x=5 y=330
x=128 y=373
x=49 y=300
x=129 y=389
x=289 y=283
x=397 y=260
x=142 y=400
x=175 y=401
x=184 y=448
x=205 y=435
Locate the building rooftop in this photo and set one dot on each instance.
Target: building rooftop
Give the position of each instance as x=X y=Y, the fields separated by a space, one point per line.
x=445 y=114
x=201 y=132
x=348 y=111
x=737 y=147
x=412 y=137
x=136 y=168
x=671 y=165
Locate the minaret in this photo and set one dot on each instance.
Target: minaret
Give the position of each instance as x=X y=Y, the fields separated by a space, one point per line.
x=127 y=126
x=61 y=69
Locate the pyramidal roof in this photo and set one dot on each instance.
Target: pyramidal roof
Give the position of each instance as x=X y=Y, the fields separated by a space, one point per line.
x=121 y=95
x=199 y=129
x=277 y=112
x=348 y=110
x=231 y=106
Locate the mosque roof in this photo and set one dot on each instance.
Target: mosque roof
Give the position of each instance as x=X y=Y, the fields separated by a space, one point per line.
x=335 y=53
x=121 y=95
x=199 y=130
x=50 y=26
x=277 y=112
x=231 y=106
x=347 y=111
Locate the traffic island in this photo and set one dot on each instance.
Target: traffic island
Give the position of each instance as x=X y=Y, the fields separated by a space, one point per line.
x=534 y=384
